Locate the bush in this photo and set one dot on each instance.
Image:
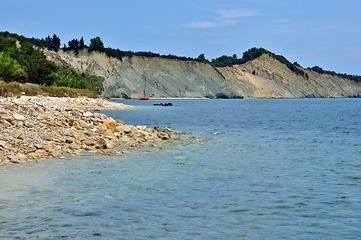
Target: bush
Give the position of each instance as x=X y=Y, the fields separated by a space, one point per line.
x=10 y=69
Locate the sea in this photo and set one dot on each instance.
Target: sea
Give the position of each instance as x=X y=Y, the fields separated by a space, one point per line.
x=243 y=169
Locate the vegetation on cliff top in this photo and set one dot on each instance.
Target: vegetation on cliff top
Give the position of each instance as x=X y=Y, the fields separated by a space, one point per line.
x=25 y=63
x=62 y=77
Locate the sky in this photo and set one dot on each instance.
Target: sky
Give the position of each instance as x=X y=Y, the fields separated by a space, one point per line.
x=311 y=32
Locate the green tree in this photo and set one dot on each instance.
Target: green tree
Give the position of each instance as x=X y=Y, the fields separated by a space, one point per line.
x=35 y=63
x=81 y=43
x=202 y=57
x=96 y=44
x=10 y=69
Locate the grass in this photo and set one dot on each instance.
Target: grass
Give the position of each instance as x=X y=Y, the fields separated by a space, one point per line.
x=14 y=89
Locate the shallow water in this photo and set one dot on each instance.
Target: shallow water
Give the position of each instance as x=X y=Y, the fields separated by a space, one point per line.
x=267 y=169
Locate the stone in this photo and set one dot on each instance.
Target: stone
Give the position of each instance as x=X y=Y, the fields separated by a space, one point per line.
x=7 y=124
x=158 y=141
x=87 y=114
x=110 y=124
x=101 y=144
x=22 y=137
x=19 y=117
x=74 y=146
x=31 y=149
x=71 y=121
x=46 y=137
x=54 y=153
x=120 y=122
x=110 y=144
x=40 y=146
x=90 y=142
x=81 y=136
x=126 y=129
x=4 y=144
x=2 y=156
x=110 y=153
x=14 y=159
x=142 y=128
x=109 y=133
x=8 y=106
x=163 y=135
x=68 y=132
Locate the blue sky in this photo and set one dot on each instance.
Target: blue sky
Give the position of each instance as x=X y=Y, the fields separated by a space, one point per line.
x=317 y=32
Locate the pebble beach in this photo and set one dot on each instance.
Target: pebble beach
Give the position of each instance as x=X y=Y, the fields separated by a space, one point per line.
x=33 y=128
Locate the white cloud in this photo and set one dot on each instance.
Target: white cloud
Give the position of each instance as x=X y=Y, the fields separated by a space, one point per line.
x=226 y=18
x=281 y=20
x=235 y=13
x=211 y=24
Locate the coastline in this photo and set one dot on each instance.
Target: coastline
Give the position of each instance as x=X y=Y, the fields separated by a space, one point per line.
x=34 y=128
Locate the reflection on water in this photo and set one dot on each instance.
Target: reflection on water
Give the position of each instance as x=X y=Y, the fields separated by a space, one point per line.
x=265 y=169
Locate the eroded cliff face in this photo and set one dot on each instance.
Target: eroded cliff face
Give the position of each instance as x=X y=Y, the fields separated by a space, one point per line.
x=135 y=76
x=264 y=77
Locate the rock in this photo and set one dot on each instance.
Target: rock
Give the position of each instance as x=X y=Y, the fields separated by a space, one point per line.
x=158 y=141
x=159 y=129
x=46 y=137
x=54 y=153
x=2 y=156
x=8 y=106
x=110 y=144
x=119 y=122
x=40 y=146
x=74 y=146
x=110 y=153
x=81 y=136
x=19 y=117
x=68 y=132
x=142 y=128
x=90 y=142
x=110 y=124
x=22 y=137
x=4 y=144
x=7 y=124
x=126 y=129
x=87 y=114
x=101 y=144
x=71 y=121
x=163 y=135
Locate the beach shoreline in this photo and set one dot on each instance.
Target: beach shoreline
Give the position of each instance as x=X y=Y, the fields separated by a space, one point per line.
x=37 y=127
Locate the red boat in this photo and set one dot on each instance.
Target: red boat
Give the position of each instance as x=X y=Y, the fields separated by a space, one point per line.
x=143 y=98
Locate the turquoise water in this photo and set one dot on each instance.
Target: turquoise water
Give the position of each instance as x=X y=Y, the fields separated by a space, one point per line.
x=267 y=169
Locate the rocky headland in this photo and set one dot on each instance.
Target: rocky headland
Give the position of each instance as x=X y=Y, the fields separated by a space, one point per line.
x=32 y=128
x=263 y=77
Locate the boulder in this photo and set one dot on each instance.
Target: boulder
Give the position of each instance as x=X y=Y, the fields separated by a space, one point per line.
x=101 y=144
x=110 y=124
